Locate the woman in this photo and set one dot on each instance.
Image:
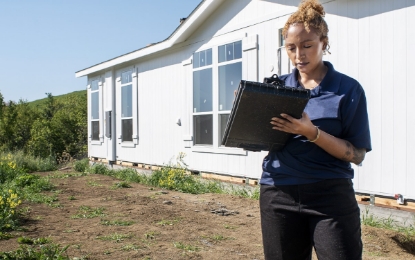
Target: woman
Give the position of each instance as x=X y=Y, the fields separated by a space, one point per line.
x=307 y=198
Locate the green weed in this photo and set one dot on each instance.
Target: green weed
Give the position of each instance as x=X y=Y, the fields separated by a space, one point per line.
x=31 y=252
x=116 y=222
x=98 y=168
x=130 y=247
x=88 y=212
x=151 y=235
x=168 y=222
x=93 y=183
x=81 y=165
x=5 y=236
x=387 y=223
x=32 y=241
x=227 y=226
x=189 y=248
x=115 y=237
x=119 y=185
x=9 y=200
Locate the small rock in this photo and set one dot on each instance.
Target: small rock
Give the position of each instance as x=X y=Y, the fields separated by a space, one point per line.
x=164 y=192
x=167 y=202
x=206 y=242
x=197 y=210
x=249 y=215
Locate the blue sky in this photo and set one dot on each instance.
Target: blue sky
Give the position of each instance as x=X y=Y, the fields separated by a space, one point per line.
x=44 y=42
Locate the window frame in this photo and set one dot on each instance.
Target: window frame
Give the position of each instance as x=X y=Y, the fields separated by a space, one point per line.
x=215 y=147
x=134 y=106
x=204 y=113
x=100 y=120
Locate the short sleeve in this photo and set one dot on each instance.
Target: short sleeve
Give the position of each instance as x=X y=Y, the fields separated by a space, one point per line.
x=355 y=120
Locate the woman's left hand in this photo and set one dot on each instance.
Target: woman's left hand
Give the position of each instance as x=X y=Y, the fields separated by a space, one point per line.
x=289 y=124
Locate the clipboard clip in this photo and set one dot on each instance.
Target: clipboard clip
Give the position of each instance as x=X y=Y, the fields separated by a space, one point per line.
x=275 y=80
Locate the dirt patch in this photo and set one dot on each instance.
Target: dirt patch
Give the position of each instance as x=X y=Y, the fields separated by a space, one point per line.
x=141 y=222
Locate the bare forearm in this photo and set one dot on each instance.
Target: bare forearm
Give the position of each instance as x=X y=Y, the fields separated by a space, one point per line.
x=337 y=147
x=340 y=148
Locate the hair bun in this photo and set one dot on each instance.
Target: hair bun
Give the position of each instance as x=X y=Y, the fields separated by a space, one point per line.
x=310 y=7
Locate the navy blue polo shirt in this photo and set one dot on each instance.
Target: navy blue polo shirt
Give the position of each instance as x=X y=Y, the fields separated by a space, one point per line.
x=338 y=107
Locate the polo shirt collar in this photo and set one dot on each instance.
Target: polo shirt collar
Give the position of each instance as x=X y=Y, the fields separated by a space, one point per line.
x=330 y=83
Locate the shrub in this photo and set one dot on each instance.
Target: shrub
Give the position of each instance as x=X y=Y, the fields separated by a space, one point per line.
x=81 y=165
x=49 y=251
x=29 y=163
x=130 y=175
x=47 y=164
x=9 y=200
x=8 y=169
x=99 y=169
x=177 y=179
x=25 y=180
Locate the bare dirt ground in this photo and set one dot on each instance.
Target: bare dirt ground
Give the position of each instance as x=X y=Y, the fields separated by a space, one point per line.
x=165 y=224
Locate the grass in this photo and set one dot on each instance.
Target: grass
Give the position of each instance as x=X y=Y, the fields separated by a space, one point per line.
x=34 y=249
x=29 y=163
x=92 y=183
x=40 y=103
x=33 y=241
x=170 y=178
x=388 y=223
x=18 y=185
x=88 y=212
x=168 y=222
x=130 y=247
x=5 y=236
x=116 y=222
x=217 y=237
x=151 y=235
x=115 y=237
x=65 y=175
x=122 y=184
x=227 y=226
x=185 y=247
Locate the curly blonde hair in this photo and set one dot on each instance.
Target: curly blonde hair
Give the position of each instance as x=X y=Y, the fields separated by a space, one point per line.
x=311 y=14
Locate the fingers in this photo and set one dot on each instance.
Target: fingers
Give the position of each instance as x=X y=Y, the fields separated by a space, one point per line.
x=279 y=124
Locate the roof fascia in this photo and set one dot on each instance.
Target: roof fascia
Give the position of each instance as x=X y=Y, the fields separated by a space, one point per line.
x=196 y=18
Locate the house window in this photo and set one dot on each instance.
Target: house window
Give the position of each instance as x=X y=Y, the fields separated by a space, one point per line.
x=126 y=106
x=214 y=83
x=95 y=110
x=229 y=76
x=202 y=97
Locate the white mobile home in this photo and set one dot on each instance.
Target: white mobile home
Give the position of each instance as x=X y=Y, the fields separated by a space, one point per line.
x=175 y=96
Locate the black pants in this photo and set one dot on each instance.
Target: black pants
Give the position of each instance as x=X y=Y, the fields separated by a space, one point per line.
x=297 y=217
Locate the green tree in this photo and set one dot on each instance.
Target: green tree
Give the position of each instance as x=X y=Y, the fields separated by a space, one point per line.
x=62 y=126
x=8 y=123
x=26 y=115
x=40 y=139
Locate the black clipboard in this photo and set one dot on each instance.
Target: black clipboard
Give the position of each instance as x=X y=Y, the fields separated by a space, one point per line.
x=249 y=127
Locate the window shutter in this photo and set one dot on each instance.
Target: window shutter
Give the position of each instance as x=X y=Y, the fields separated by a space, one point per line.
x=135 y=107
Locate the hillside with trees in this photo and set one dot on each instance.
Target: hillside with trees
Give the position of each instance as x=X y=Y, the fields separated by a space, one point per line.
x=45 y=127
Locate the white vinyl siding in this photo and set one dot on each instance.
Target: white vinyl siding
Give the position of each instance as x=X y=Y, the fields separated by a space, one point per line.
x=378 y=57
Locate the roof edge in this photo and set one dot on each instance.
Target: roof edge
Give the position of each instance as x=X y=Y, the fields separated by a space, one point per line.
x=193 y=21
